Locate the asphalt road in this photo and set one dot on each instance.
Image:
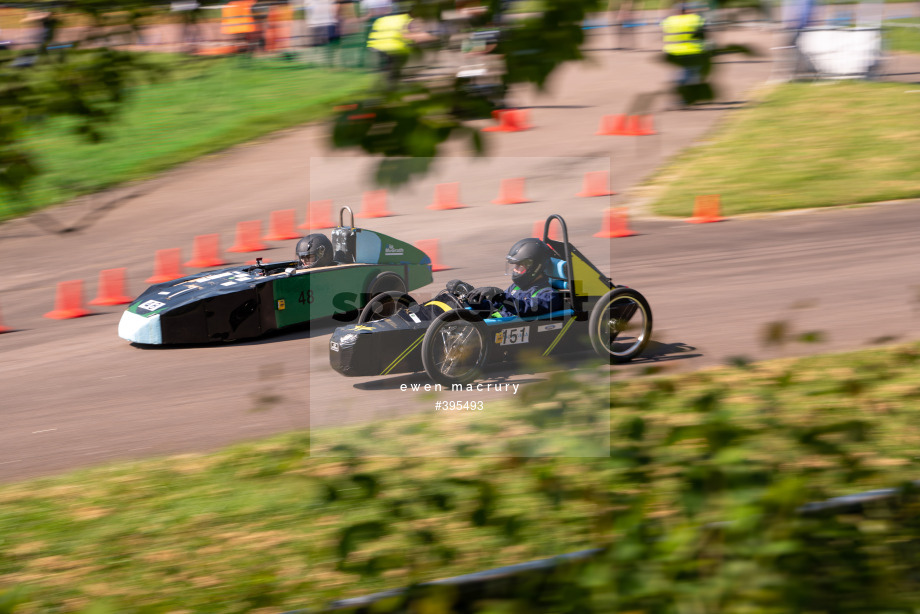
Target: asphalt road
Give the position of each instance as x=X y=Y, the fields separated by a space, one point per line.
x=74 y=394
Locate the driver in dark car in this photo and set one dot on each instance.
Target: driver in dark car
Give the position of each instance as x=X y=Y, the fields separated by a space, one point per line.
x=530 y=293
x=314 y=251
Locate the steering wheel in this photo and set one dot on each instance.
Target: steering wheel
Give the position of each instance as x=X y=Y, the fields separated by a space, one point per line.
x=459 y=292
x=452 y=300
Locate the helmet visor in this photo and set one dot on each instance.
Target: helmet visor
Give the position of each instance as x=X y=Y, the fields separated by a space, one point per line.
x=308 y=260
x=516 y=268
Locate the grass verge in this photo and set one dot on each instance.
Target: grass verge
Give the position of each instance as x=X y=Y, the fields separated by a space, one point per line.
x=903 y=35
x=805 y=145
x=211 y=105
x=265 y=527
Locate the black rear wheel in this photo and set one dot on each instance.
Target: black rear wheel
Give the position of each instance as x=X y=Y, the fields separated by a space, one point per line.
x=386 y=281
x=620 y=325
x=384 y=305
x=454 y=349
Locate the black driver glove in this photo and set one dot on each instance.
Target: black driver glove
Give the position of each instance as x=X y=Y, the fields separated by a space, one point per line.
x=489 y=294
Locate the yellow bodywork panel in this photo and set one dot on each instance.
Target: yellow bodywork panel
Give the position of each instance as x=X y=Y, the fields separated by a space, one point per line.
x=587 y=281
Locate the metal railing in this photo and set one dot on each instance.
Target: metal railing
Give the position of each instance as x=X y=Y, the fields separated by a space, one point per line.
x=498 y=583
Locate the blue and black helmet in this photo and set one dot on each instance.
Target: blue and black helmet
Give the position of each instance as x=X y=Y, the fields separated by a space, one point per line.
x=527 y=261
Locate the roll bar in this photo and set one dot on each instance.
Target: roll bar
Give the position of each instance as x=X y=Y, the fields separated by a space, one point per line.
x=342 y=217
x=570 y=278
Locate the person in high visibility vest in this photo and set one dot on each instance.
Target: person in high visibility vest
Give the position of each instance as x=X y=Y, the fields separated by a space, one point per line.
x=392 y=38
x=237 y=21
x=684 y=33
x=685 y=44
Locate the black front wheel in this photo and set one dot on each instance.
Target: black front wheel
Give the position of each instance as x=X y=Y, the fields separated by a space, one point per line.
x=454 y=349
x=620 y=325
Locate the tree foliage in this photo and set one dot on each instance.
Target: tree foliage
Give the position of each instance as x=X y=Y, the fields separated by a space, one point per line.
x=705 y=504
x=83 y=76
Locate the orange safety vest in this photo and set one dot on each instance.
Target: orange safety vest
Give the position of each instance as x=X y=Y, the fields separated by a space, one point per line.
x=236 y=17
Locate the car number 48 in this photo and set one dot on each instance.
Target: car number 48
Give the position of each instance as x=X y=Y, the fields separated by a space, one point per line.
x=513 y=336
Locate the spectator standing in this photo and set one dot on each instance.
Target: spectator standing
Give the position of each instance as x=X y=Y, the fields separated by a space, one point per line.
x=237 y=21
x=188 y=11
x=47 y=28
x=322 y=21
x=392 y=38
x=685 y=46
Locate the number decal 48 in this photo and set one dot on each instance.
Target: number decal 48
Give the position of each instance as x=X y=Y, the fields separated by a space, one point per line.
x=513 y=336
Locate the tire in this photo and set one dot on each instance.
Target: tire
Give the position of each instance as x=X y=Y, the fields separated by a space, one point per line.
x=384 y=305
x=386 y=282
x=620 y=325
x=455 y=348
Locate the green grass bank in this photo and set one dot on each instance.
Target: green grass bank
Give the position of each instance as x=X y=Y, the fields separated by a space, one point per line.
x=205 y=106
x=803 y=145
x=275 y=525
x=903 y=35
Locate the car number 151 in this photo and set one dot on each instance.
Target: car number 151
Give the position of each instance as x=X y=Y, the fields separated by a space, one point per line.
x=513 y=336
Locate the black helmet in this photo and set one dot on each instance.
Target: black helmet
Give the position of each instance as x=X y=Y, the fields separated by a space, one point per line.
x=527 y=260
x=314 y=250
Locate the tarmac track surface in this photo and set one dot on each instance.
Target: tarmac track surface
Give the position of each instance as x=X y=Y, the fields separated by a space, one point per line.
x=74 y=394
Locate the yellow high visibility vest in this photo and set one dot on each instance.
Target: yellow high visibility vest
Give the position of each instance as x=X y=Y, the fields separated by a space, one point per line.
x=236 y=18
x=387 y=34
x=679 y=34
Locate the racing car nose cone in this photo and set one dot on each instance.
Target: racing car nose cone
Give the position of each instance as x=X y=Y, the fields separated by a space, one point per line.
x=138 y=329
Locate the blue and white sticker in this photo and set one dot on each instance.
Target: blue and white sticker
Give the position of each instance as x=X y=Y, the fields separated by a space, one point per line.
x=546 y=327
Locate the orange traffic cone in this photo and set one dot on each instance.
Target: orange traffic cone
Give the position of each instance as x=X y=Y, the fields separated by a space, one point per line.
x=615 y=224
x=69 y=301
x=111 y=288
x=553 y=230
x=374 y=204
x=706 y=210
x=511 y=192
x=596 y=184
x=648 y=125
x=612 y=125
x=639 y=125
x=205 y=252
x=446 y=196
x=167 y=266
x=247 y=237
x=509 y=120
x=4 y=329
x=281 y=226
x=520 y=117
x=430 y=247
x=319 y=215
